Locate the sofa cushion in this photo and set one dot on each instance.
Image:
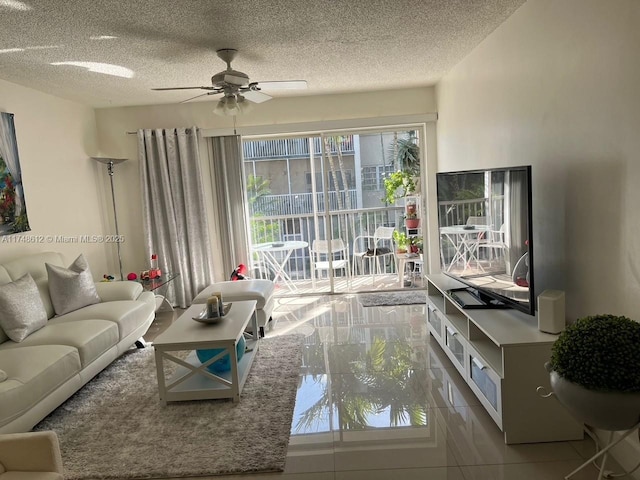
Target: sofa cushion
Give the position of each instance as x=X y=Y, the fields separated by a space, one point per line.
x=126 y=314
x=71 y=288
x=91 y=338
x=3 y=375
x=111 y=291
x=4 y=278
x=34 y=373
x=35 y=266
x=21 y=309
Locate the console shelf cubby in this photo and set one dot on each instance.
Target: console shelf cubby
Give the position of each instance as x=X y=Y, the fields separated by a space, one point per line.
x=501 y=355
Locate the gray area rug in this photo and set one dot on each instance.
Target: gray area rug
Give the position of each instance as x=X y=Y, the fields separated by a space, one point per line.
x=115 y=427
x=412 y=297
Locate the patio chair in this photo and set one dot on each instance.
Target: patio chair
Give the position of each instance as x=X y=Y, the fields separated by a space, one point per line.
x=375 y=249
x=495 y=244
x=319 y=254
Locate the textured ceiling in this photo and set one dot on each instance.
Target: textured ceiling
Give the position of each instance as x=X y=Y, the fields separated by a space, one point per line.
x=336 y=45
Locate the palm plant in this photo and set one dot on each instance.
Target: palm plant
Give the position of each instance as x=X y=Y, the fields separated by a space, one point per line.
x=381 y=379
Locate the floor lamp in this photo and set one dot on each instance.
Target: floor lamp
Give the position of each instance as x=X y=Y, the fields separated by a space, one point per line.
x=110 y=162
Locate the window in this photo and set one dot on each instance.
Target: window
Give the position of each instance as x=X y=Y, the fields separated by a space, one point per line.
x=373 y=176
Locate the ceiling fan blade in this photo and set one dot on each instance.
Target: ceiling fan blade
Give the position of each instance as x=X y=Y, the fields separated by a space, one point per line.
x=284 y=85
x=256 y=96
x=184 y=88
x=198 y=96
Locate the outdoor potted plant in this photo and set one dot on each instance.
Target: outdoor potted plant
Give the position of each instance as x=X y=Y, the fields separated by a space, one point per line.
x=595 y=371
x=415 y=244
x=398 y=185
x=401 y=241
x=411 y=220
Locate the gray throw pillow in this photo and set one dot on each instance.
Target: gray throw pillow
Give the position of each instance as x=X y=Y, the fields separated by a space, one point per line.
x=71 y=288
x=21 y=309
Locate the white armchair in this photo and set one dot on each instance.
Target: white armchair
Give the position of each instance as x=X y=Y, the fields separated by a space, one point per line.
x=30 y=456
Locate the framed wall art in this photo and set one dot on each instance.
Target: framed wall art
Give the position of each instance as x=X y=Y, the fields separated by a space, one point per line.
x=13 y=209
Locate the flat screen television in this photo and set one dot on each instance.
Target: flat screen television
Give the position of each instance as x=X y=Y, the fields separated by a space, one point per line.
x=485 y=223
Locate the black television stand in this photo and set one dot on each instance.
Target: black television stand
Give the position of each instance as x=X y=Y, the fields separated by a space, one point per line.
x=472 y=298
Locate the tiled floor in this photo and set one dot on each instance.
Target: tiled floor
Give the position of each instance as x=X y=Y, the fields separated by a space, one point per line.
x=378 y=400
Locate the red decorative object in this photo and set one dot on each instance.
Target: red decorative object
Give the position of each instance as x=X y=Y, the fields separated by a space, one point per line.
x=132 y=276
x=239 y=273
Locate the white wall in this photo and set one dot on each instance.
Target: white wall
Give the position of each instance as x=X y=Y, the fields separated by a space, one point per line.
x=113 y=123
x=61 y=184
x=556 y=86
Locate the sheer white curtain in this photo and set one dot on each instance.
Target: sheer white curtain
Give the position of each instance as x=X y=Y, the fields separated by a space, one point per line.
x=174 y=209
x=230 y=209
x=9 y=152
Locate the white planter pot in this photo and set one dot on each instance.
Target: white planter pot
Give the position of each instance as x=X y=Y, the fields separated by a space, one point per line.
x=605 y=410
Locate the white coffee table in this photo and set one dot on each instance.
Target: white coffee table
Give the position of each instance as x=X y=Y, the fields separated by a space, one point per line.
x=192 y=381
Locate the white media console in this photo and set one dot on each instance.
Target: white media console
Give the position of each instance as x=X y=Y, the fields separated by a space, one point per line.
x=501 y=356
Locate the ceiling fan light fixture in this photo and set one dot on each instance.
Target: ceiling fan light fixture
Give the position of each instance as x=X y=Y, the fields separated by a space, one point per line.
x=232 y=104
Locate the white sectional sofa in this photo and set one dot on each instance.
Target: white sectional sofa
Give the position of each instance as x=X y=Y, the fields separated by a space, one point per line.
x=49 y=365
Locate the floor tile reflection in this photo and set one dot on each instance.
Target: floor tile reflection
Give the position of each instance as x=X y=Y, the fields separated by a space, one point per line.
x=377 y=398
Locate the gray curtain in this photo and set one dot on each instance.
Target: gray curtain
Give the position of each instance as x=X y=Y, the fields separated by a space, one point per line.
x=174 y=209
x=518 y=209
x=9 y=152
x=230 y=209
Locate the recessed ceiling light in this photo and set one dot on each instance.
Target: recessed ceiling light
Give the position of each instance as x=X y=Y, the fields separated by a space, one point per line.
x=15 y=5
x=102 y=37
x=11 y=50
x=105 y=68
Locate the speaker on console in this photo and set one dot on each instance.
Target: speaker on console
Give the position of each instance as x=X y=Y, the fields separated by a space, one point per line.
x=551 y=312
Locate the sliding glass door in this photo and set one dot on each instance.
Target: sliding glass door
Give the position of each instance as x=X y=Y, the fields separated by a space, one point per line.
x=315 y=204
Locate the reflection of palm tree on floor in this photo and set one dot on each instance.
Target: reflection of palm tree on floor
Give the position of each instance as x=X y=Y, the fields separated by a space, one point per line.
x=381 y=379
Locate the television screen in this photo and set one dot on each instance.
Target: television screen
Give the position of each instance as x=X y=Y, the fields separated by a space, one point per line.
x=485 y=220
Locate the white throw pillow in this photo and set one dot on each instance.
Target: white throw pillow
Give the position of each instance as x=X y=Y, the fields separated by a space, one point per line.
x=21 y=309
x=71 y=288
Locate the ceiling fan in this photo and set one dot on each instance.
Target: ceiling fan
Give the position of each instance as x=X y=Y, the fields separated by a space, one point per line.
x=236 y=87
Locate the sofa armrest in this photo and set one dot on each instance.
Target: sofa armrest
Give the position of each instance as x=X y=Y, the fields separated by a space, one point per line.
x=30 y=452
x=113 y=291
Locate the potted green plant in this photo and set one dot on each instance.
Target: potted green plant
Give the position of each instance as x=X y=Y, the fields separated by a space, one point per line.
x=398 y=185
x=595 y=371
x=411 y=220
x=401 y=241
x=415 y=244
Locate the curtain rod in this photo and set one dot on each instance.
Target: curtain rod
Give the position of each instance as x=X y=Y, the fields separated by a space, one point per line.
x=153 y=131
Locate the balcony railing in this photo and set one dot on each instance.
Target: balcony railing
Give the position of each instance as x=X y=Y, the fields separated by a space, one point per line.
x=346 y=224
x=291 y=147
x=294 y=220
x=300 y=203
x=457 y=212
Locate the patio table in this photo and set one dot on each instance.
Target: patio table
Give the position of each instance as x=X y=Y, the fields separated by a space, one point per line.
x=268 y=252
x=465 y=241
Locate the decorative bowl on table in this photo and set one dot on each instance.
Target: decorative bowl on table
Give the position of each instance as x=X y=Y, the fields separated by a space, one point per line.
x=468 y=227
x=277 y=244
x=202 y=317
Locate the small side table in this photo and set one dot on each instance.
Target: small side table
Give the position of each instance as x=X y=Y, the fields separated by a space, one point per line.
x=159 y=287
x=403 y=259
